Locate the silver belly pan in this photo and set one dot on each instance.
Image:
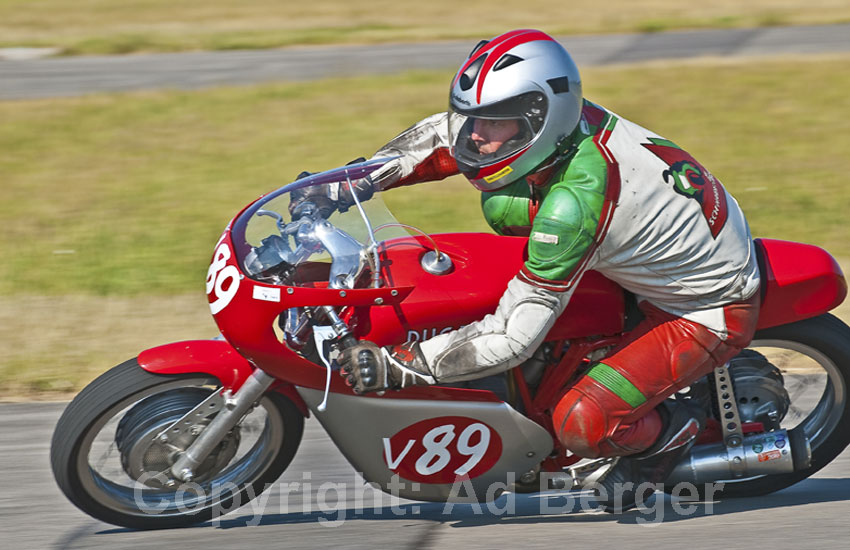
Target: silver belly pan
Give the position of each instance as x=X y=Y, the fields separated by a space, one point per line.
x=360 y=425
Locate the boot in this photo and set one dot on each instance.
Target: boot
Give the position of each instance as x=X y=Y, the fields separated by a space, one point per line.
x=617 y=491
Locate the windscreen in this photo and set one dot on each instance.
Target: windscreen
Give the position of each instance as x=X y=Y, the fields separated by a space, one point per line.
x=294 y=235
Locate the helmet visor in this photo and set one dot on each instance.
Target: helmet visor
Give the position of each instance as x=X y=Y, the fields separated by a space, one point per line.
x=489 y=134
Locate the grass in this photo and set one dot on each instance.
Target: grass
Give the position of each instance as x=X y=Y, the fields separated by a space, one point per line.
x=110 y=27
x=112 y=202
x=53 y=345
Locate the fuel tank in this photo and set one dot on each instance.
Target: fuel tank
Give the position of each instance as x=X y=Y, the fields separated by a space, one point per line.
x=482 y=266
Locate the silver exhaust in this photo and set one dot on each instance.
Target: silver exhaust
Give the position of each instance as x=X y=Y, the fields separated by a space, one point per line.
x=776 y=452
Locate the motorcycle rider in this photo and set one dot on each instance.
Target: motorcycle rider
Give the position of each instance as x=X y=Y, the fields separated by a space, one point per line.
x=592 y=190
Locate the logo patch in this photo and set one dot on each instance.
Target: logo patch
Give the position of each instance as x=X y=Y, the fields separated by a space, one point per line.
x=546 y=238
x=691 y=180
x=460 y=100
x=769 y=455
x=501 y=173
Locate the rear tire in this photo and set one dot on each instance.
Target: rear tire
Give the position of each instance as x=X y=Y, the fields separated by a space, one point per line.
x=825 y=340
x=103 y=493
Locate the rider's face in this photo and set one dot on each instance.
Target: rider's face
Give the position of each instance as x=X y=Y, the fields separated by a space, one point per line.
x=489 y=135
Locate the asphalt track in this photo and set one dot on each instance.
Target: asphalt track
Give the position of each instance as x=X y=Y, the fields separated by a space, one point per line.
x=72 y=76
x=329 y=508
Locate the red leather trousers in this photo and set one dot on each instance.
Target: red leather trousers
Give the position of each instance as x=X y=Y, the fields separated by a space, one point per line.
x=611 y=411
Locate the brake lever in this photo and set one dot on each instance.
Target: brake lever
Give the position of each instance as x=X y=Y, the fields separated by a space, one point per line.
x=339 y=332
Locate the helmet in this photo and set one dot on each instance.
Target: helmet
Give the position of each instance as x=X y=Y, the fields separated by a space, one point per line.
x=522 y=92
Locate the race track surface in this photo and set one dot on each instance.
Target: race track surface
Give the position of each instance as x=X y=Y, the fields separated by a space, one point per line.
x=80 y=75
x=35 y=515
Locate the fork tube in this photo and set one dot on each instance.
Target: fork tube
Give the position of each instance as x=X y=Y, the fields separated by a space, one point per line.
x=234 y=409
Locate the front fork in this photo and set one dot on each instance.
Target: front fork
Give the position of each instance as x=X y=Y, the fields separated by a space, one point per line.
x=235 y=407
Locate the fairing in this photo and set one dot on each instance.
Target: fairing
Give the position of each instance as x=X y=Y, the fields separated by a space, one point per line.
x=404 y=302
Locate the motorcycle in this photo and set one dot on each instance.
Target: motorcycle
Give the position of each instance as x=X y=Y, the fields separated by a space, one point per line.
x=225 y=416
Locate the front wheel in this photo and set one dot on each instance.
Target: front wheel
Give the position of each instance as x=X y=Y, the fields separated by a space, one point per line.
x=110 y=460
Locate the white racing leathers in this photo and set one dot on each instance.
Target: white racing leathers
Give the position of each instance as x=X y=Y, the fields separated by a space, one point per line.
x=423 y=151
x=501 y=340
x=668 y=232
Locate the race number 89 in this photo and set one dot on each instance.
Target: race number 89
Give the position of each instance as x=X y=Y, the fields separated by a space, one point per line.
x=439 y=450
x=436 y=443
x=222 y=279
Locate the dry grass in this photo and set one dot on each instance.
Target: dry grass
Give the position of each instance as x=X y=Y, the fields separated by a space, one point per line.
x=108 y=26
x=55 y=345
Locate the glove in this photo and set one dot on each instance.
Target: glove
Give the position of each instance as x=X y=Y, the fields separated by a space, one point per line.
x=329 y=197
x=316 y=198
x=367 y=368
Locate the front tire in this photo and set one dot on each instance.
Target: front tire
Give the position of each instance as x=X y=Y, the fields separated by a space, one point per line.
x=89 y=453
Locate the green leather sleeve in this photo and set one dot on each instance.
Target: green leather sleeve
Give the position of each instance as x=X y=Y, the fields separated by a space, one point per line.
x=565 y=226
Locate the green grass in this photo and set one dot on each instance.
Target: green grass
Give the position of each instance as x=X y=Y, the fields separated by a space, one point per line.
x=112 y=27
x=112 y=203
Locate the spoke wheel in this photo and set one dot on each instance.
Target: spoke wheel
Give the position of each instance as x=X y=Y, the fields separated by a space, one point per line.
x=813 y=358
x=110 y=460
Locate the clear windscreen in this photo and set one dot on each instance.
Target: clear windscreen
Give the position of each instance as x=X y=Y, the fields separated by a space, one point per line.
x=294 y=236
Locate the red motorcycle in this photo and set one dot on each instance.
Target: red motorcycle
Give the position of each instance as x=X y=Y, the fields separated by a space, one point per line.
x=225 y=416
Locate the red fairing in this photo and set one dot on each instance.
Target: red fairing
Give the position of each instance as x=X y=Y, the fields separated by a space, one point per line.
x=413 y=304
x=800 y=281
x=214 y=357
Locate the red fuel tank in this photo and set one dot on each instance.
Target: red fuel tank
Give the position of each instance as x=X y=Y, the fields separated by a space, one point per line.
x=482 y=266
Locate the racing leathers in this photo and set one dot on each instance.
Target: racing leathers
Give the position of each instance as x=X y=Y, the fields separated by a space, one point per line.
x=635 y=207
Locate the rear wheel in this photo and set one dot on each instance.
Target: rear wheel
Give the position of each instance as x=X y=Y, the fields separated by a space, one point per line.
x=110 y=459
x=813 y=357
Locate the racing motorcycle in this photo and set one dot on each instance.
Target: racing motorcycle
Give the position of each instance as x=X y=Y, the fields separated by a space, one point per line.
x=225 y=416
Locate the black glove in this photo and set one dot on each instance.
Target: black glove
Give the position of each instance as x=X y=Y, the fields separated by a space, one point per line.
x=329 y=197
x=368 y=368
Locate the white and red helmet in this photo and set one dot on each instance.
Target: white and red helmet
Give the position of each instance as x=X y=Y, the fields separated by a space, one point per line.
x=523 y=75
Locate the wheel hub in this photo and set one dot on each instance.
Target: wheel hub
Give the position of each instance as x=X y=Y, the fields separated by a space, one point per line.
x=759 y=389
x=149 y=447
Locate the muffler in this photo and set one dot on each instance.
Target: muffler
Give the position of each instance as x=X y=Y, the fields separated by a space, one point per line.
x=776 y=452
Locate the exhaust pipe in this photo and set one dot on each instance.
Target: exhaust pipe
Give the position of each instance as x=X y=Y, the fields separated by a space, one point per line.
x=777 y=452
